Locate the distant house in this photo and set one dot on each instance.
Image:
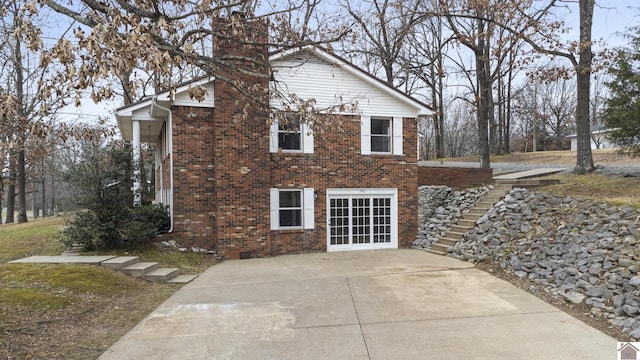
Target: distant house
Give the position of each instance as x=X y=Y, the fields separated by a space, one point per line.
x=247 y=188
x=599 y=138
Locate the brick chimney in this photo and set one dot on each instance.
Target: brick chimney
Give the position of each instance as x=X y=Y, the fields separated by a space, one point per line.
x=240 y=142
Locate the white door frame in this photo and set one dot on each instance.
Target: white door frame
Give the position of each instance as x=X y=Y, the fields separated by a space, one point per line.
x=363 y=193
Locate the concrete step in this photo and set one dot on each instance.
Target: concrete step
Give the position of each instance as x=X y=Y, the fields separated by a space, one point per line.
x=529 y=183
x=485 y=204
x=460 y=228
x=140 y=268
x=161 y=274
x=182 y=279
x=446 y=241
x=444 y=249
x=472 y=217
x=491 y=198
x=477 y=211
x=453 y=235
x=120 y=262
x=467 y=223
x=436 y=252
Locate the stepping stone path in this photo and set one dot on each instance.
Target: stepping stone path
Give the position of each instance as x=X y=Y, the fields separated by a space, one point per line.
x=130 y=265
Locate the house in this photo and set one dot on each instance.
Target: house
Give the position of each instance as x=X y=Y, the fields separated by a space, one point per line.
x=248 y=188
x=599 y=138
x=627 y=351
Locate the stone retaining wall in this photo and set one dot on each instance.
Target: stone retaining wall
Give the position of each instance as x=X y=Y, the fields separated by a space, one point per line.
x=585 y=252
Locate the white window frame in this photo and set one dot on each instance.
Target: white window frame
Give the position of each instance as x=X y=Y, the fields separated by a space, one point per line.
x=396 y=135
x=306 y=139
x=307 y=196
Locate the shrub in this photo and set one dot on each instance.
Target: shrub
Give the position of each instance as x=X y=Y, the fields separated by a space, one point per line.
x=127 y=227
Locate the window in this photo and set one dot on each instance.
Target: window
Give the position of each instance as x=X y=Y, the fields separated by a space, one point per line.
x=381 y=135
x=289 y=136
x=293 y=137
x=292 y=208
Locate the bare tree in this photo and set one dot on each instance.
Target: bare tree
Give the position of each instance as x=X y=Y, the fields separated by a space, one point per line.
x=383 y=28
x=425 y=60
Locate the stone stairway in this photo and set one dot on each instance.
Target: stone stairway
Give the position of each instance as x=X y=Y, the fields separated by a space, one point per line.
x=468 y=220
x=130 y=265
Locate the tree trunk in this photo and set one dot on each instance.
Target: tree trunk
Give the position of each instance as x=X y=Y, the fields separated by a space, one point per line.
x=507 y=120
x=584 y=159
x=44 y=197
x=11 y=189
x=484 y=86
x=22 y=182
x=53 y=194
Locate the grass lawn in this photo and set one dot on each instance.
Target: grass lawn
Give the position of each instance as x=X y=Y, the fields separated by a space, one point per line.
x=36 y=237
x=73 y=311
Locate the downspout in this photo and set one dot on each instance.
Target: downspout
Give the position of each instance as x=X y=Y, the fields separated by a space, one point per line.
x=170 y=136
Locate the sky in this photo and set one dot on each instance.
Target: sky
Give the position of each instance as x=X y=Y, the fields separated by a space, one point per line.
x=610 y=17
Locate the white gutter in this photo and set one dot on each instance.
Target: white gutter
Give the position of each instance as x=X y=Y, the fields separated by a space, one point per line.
x=169 y=134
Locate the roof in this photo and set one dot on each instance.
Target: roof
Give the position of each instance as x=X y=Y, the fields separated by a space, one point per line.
x=596 y=129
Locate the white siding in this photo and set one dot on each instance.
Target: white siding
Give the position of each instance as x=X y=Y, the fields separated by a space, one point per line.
x=183 y=99
x=331 y=85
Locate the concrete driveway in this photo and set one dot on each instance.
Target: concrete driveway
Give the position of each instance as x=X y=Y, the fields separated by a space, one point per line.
x=388 y=304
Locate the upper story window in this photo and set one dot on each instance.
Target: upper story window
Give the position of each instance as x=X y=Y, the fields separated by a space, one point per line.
x=292 y=136
x=289 y=136
x=381 y=135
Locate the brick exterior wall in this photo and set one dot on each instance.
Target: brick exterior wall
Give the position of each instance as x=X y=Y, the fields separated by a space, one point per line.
x=454 y=177
x=223 y=172
x=194 y=187
x=337 y=163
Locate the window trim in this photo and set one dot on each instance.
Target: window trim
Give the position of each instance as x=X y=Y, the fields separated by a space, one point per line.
x=389 y=136
x=396 y=135
x=307 y=198
x=306 y=139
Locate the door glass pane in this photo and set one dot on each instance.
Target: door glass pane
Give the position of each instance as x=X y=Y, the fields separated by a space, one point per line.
x=339 y=221
x=381 y=220
x=361 y=221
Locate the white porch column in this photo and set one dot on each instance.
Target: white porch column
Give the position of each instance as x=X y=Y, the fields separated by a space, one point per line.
x=137 y=185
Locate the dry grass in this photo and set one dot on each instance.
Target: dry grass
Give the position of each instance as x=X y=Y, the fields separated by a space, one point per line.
x=615 y=190
x=566 y=157
x=35 y=237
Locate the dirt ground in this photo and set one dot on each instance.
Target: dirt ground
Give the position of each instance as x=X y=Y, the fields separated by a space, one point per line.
x=81 y=331
x=600 y=156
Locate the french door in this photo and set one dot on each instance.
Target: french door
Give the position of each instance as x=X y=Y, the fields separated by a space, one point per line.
x=361 y=219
